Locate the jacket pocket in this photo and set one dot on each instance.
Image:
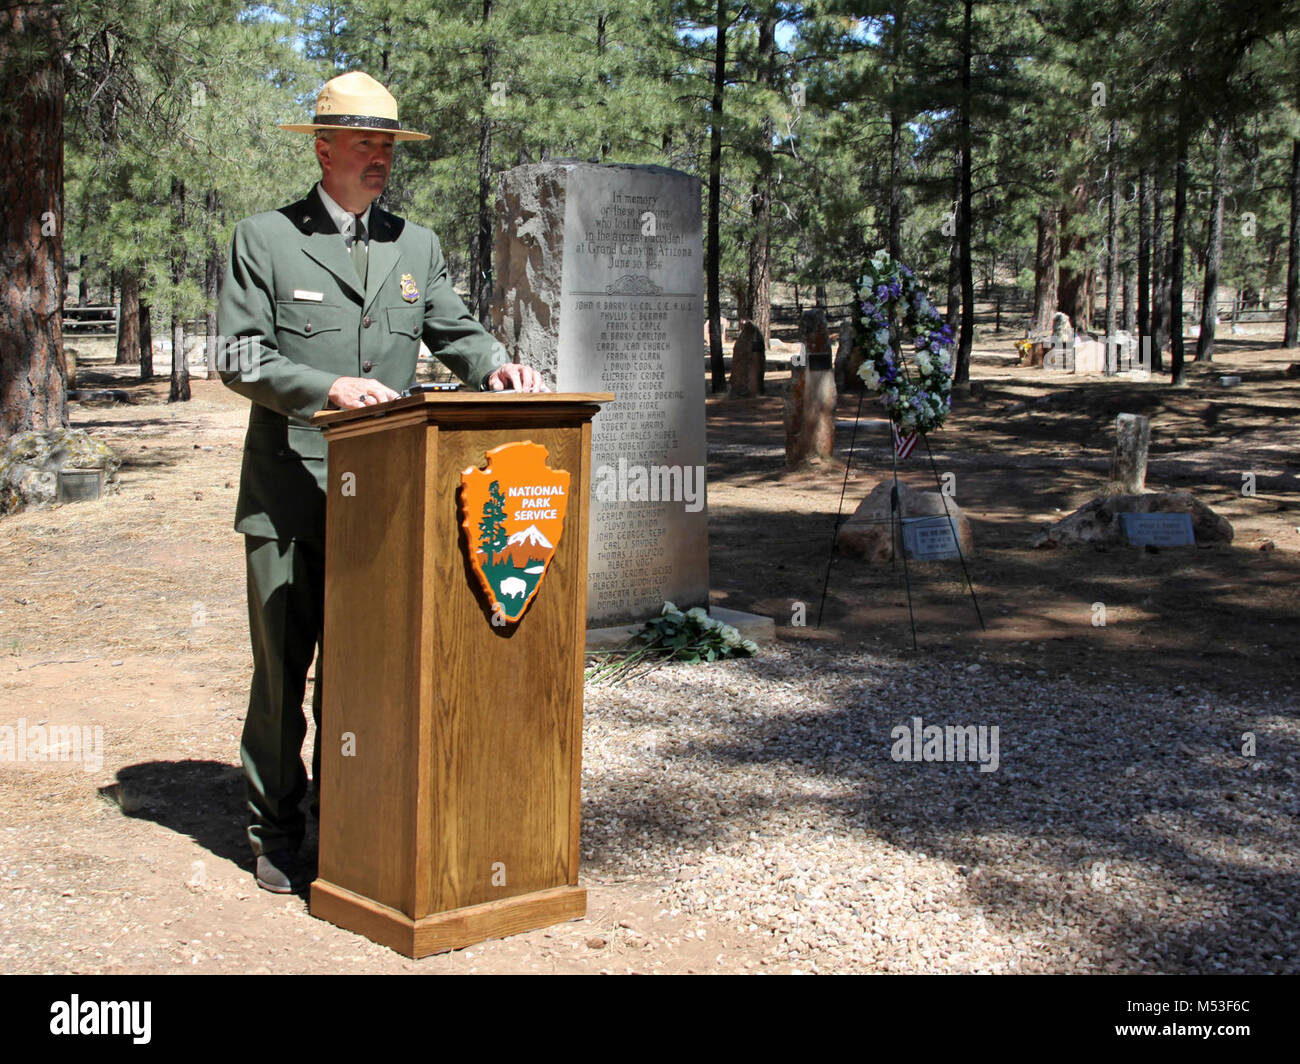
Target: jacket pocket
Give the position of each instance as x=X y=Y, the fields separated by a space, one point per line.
x=406 y=321
x=282 y=442
x=308 y=319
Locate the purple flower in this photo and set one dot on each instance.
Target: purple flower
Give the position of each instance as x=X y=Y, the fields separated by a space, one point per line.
x=868 y=307
x=882 y=293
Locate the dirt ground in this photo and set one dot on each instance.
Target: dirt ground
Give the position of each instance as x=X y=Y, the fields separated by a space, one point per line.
x=129 y=614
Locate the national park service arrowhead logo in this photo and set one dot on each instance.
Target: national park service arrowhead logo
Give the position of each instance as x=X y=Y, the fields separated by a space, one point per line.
x=512 y=512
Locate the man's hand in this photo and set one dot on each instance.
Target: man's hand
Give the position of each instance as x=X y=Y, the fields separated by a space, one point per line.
x=516 y=377
x=352 y=393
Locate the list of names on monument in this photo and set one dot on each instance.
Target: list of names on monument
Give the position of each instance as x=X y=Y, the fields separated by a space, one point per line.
x=631 y=318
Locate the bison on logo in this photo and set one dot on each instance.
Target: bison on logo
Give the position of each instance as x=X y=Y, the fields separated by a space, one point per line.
x=512 y=512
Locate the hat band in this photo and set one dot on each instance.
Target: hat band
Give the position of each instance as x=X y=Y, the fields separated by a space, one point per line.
x=367 y=121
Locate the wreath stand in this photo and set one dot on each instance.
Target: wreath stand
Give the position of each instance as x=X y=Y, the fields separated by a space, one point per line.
x=896 y=521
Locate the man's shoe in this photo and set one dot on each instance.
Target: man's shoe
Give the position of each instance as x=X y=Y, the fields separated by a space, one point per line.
x=282 y=872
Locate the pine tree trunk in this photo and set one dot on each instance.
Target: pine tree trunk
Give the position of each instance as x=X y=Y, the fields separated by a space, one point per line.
x=1177 y=241
x=1159 y=280
x=180 y=386
x=33 y=373
x=952 y=307
x=211 y=285
x=961 y=374
x=717 y=365
x=1112 y=235
x=1213 y=254
x=146 y=342
x=760 y=248
x=480 y=279
x=894 y=236
x=1046 y=264
x=1144 y=256
x=1130 y=298
x=1072 y=284
x=128 y=321
x=1291 y=335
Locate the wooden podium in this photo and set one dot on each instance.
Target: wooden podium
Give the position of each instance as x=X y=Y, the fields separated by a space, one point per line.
x=451 y=747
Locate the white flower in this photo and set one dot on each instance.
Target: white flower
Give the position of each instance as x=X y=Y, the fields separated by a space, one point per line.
x=869 y=375
x=729 y=635
x=668 y=608
x=749 y=645
x=923 y=362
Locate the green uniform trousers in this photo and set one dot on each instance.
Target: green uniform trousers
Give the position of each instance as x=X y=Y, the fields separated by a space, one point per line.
x=286 y=600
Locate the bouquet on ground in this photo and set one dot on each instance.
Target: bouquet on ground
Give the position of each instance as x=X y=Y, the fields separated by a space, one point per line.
x=689 y=636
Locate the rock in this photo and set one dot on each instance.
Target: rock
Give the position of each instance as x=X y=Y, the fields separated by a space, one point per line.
x=747 y=363
x=1268 y=545
x=1293 y=370
x=1097 y=522
x=98 y=395
x=30 y=464
x=869 y=533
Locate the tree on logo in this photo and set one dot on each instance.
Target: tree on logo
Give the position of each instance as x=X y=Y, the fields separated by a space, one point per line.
x=492 y=526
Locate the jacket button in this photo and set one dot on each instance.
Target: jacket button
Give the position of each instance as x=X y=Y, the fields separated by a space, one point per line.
x=367 y=365
x=367 y=321
x=307 y=327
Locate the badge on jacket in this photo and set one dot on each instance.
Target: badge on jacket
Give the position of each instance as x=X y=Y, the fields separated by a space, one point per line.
x=409 y=292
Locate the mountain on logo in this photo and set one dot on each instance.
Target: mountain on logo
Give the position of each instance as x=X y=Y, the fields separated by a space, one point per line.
x=531 y=536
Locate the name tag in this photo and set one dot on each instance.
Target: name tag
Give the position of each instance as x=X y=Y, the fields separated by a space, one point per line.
x=311 y=297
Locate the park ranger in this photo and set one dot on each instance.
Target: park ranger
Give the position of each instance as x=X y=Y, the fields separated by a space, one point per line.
x=326 y=301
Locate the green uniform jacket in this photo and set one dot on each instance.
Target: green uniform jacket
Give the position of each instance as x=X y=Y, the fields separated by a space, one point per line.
x=293 y=318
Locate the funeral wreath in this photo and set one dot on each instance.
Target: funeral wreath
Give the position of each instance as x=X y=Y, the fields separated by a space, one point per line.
x=915 y=391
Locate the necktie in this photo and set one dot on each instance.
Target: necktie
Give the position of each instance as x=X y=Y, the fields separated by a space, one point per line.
x=359 y=249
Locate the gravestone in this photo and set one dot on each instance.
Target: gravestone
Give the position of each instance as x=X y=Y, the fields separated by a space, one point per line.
x=809 y=400
x=600 y=287
x=1128 y=465
x=747 y=363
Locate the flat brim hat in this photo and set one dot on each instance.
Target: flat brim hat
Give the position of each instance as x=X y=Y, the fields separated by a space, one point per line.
x=356 y=101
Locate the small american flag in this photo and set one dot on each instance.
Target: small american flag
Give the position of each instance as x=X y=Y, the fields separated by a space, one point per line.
x=903 y=444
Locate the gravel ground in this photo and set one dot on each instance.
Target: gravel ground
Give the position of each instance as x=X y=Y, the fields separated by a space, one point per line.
x=1123 y=829
x=743 y=816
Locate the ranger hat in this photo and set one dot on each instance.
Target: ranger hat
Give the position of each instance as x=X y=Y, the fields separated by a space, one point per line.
x=356 y=101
